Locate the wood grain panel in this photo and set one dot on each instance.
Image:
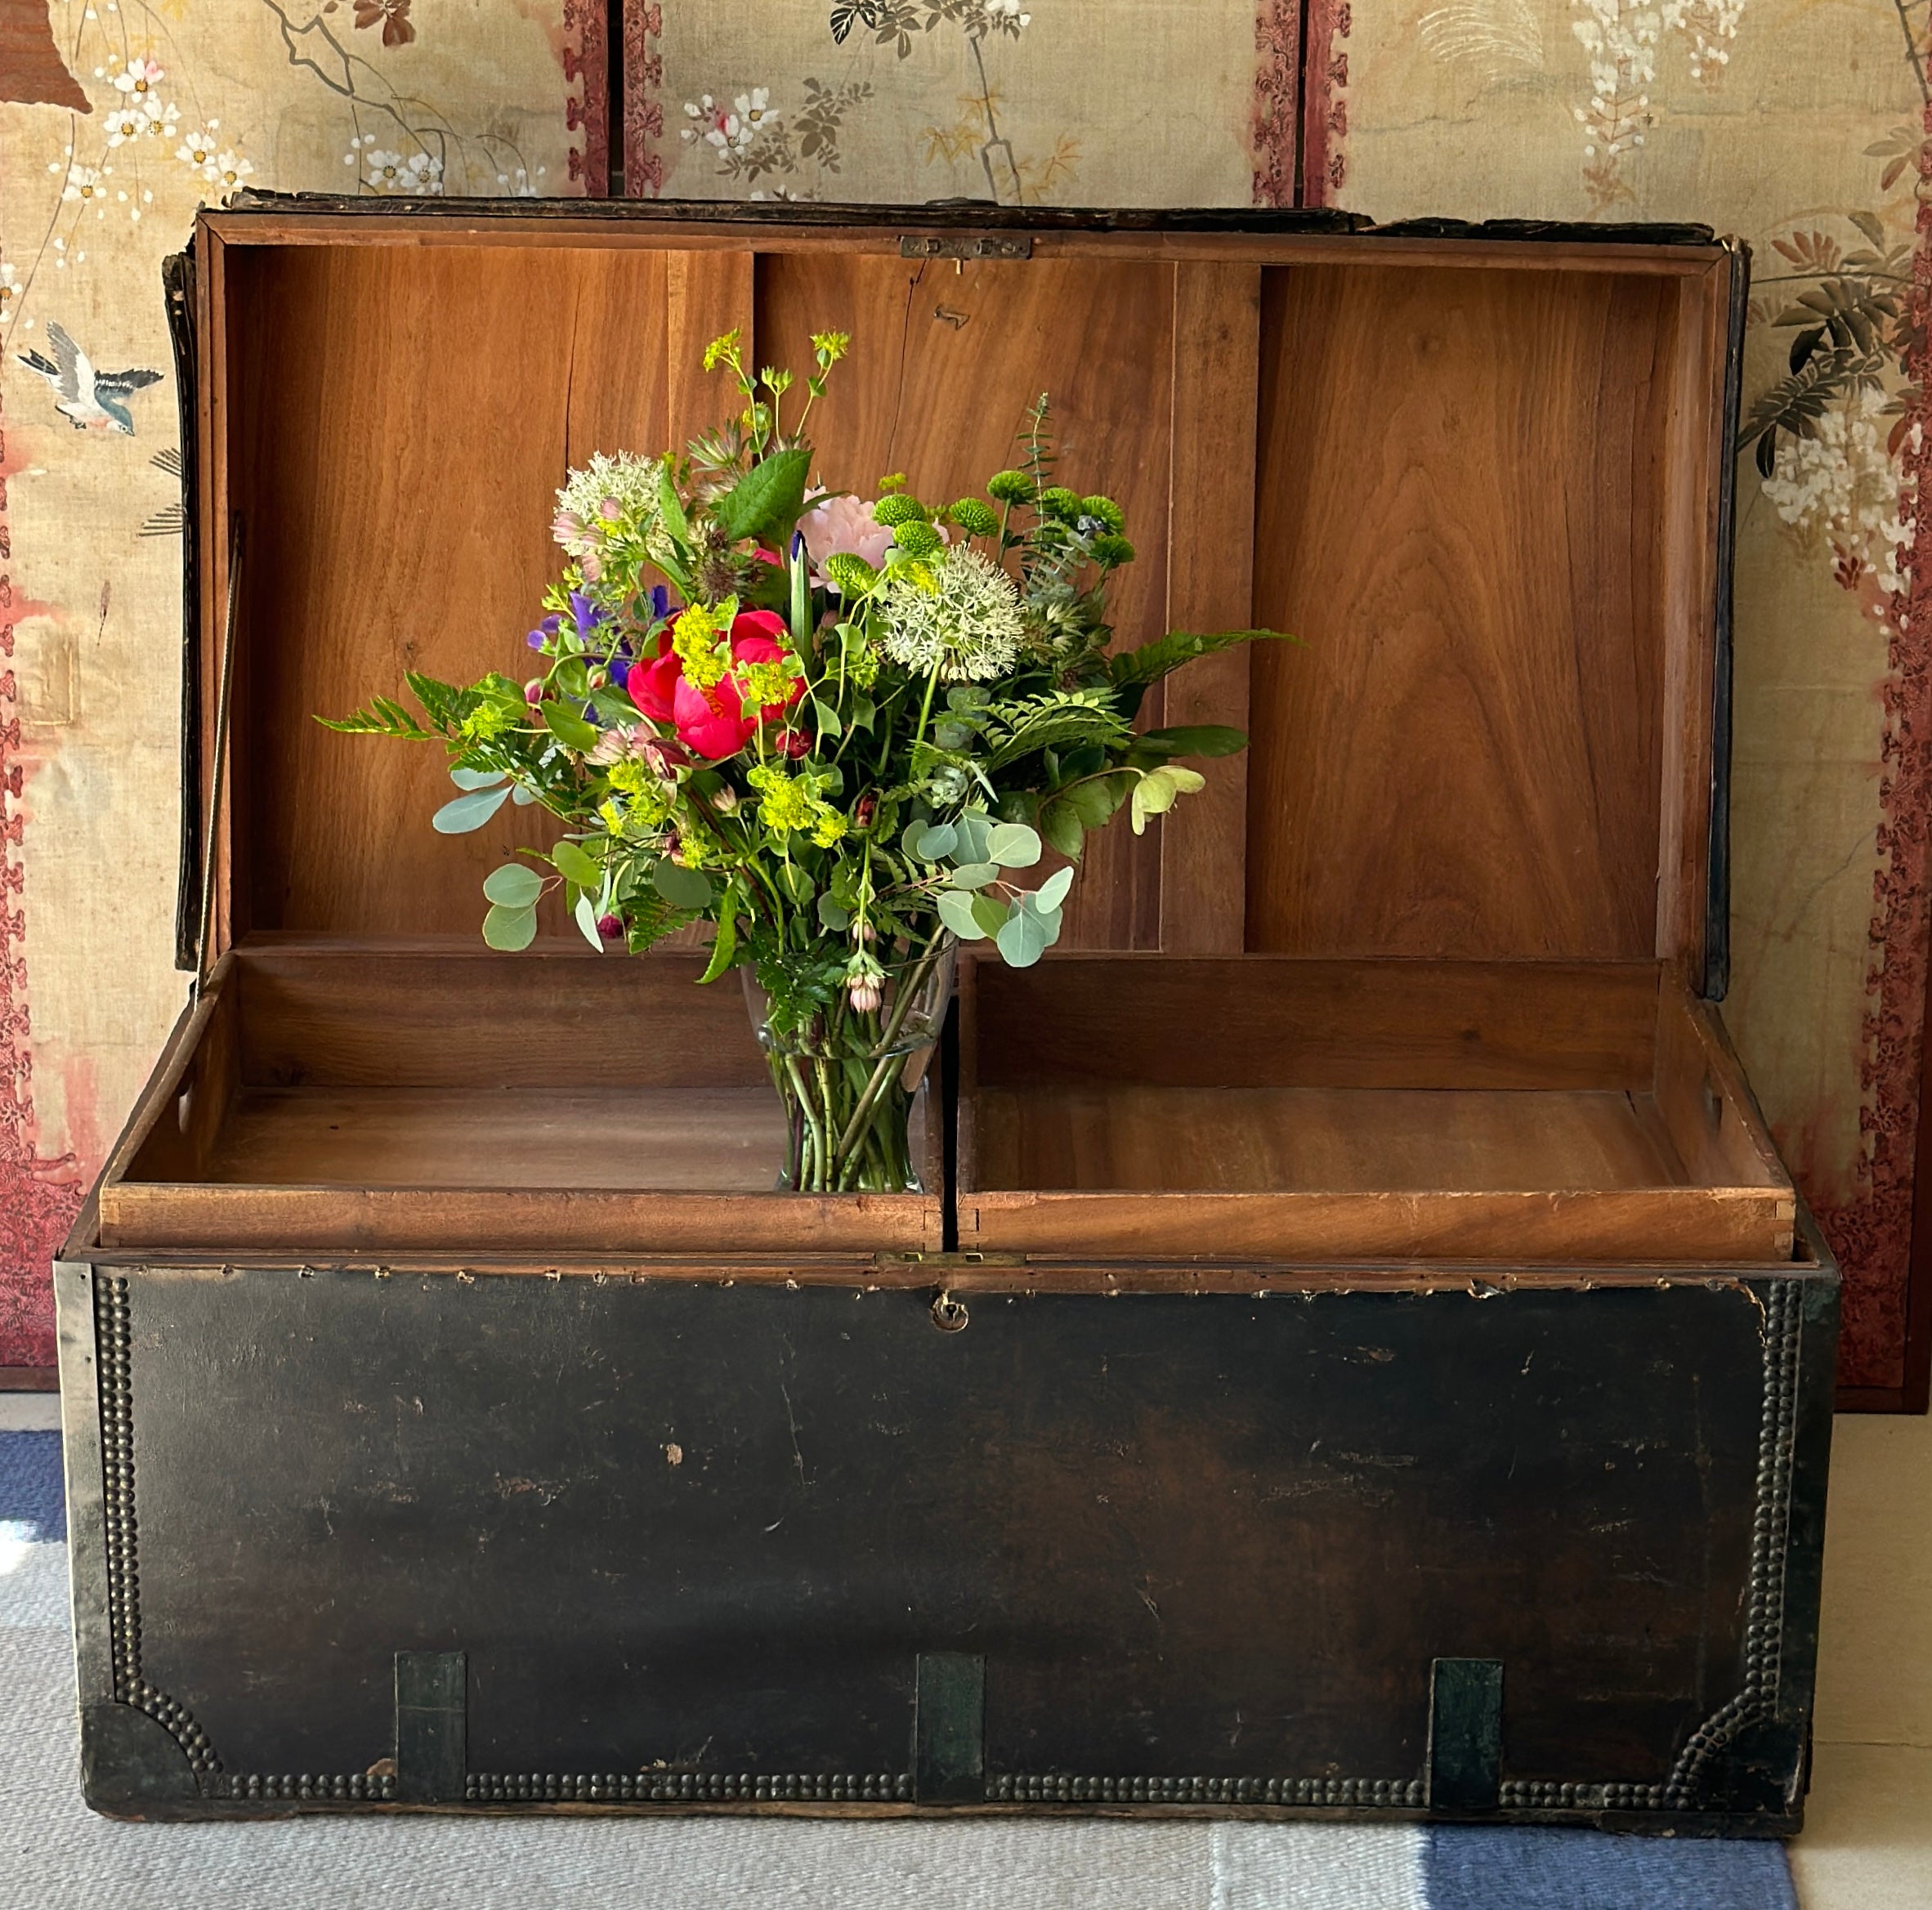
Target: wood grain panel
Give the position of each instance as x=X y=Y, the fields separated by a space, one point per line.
x=945 y=363
x=1284 y=1022
x=1461 y=479
x=1210 y=568
x=378 y=1220
x=463 y=1016
x=396 y=440
x=1347 y=1140
x=1729 y=1226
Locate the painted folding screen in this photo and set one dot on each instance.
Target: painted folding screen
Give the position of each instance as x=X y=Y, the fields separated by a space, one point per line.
x=117 y=118
x=1801 y=128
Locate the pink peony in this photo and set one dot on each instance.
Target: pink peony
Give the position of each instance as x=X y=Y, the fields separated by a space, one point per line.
x=843 y=524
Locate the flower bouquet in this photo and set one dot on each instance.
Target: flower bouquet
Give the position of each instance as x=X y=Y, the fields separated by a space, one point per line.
x=841 y=732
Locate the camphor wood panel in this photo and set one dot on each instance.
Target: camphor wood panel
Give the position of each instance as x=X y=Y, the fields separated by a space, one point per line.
x=1466 y=508
x=327 y=1098
x=1298 y=1107
x=1487 y=481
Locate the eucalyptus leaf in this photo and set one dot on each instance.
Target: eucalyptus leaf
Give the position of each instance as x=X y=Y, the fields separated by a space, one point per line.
x=510 y=929
x=974 y=830
x=833 y=914
x=568 y=727
x=973 y=875
x=935 y=842
x=989 y=913
x=957 y=911
x=521 y=797
x=514 y=886
x=464 y=813
x=1052 y=891
x=1013 y=845
x=1022 y=941
x=571 y=862
x=478 y=779
x=682 y=887
x=586 y=915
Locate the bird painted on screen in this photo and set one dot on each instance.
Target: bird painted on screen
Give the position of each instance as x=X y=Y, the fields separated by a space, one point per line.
x=89 y=400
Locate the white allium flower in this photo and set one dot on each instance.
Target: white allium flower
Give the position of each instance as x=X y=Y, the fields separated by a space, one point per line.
x=967 y=623
x=629 y=480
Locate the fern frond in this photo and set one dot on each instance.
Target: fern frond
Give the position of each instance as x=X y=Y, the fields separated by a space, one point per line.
x=1164 y=654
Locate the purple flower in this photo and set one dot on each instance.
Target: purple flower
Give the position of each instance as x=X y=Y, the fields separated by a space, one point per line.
x=619 y=672
x=545 y=631
x=584 y=614
x=660 y=602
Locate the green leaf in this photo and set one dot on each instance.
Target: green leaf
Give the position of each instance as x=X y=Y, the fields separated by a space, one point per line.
x=1205 y=739
x=1013 y=845
x=521 y=797
x=1154 y=661
x=973 y=875
x=974 y=830
x=1023 y=939
x=478 y=779
x=586 y=915
x=1060 y=823
x=935 y=842
x=383 y=717
x=825 y=717
x=510 y=929
x=1052 y=891
x=833 y=914
x=957 y=911
x=459 y=817
x=1095 y=802
x=724 y=946
x=795 y=883
x=864 y=709
x=989 y=912
x=769 y=497
x=568 y=727
x=684 y=888
x=514 y=886
x=574 y=865
x=446 y=705
x=670 y=507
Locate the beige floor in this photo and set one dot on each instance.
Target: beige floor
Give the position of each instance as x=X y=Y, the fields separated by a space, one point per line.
x=1868 y=1843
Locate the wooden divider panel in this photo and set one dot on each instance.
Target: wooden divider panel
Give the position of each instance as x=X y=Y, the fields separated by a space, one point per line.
x=1461 y=486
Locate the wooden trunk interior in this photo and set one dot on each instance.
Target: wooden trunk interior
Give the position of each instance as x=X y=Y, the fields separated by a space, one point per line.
x=1479 y=479
x=375 y=1098
x=1298 y=1108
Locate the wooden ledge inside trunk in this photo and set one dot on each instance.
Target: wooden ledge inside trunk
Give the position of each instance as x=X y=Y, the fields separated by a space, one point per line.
x=336 y=1096
x=1284 y=1106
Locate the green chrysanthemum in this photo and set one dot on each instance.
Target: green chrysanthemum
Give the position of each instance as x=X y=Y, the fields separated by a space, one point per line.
x=1010 y=487
x=973 y=517
x=967 y=625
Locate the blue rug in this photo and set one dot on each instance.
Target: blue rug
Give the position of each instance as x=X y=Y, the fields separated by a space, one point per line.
x=55 y=1856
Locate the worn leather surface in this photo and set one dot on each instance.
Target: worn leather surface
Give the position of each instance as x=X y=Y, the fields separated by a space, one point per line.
x=715 y=1526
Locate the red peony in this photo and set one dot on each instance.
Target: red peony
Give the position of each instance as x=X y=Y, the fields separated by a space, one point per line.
x=716 y=722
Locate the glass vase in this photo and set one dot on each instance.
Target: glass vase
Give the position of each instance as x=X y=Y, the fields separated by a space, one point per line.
x=847 y=1072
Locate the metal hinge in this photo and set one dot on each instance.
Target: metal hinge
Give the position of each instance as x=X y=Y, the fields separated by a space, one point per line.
x=965 y=245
